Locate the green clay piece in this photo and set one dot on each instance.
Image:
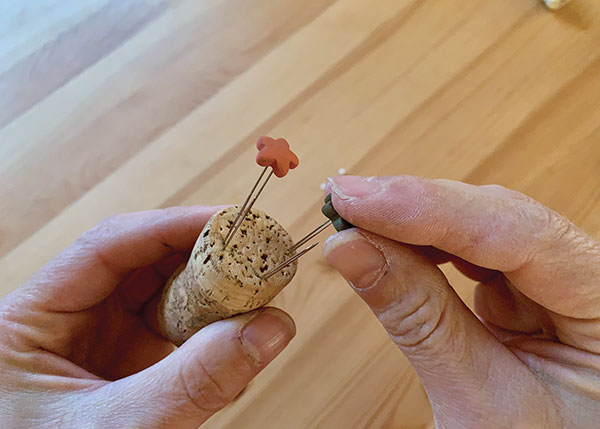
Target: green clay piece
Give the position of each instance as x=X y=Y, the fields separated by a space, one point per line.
x=338 y=222
x=328 y=209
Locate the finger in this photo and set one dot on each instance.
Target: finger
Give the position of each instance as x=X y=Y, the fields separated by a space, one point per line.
x=201 y=377
x=167 y=266
x=457 y=359
x=135 y=349
x=544 y=255
x=504 y=306
x=89 y=270
x=565 y=370
x=150 y=313
x=472 y=271
x=143 y=283
x=436 y=256
x=139 y=288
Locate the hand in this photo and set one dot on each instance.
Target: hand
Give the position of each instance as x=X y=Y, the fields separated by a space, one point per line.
x=77 y=350
x=532 y=359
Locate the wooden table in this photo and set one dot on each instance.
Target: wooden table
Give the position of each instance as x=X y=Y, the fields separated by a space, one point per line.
x=109 y=106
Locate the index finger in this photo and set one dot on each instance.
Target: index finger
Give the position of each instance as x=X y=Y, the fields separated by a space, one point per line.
x=89 y=270
x=543 y=254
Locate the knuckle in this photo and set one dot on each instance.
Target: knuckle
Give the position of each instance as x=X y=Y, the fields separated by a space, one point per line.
x=414 y=325
x=516 y=195
x=100 y=228
x=505 y=192
x=110 y=221
x=547 y=222
x=106 y=227
x=551 y=231
x=502 y=192
x=562 y=229
x=496 y=189
x=557 y=227
x=578 y=242
x=552 y=227
x=203 y=389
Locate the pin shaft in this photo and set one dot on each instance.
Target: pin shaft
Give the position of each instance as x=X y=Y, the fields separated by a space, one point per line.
x=239 y=219
x=245 y=203
x=310 y=236
x=288 y=262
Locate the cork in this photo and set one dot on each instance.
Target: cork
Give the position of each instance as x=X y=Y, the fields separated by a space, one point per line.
x=215 y=283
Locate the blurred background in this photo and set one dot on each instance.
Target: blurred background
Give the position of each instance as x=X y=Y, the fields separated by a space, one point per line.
x=109 y=106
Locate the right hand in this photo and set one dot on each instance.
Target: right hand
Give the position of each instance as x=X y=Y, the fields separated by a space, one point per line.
x=532 y=359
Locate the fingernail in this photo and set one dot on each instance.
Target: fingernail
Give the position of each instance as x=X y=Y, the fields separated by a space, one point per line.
x=347 y=187
x=267 y=334
x=357 y=260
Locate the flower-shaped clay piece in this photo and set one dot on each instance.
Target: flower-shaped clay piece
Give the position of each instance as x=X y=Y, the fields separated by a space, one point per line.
x=277 y=154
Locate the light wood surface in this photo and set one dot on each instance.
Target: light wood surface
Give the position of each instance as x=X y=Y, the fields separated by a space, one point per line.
x=109 y=106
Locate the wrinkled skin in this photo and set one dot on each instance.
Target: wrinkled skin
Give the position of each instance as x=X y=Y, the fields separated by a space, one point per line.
x=78 y=348
x=78 y=344
x=530 y=358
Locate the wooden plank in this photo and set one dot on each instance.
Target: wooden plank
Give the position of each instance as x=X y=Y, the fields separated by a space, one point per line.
x=483 y=91
x=206 y=131
x=557 y=144
x=25 y=28
x=40 y=74
x=196 y=56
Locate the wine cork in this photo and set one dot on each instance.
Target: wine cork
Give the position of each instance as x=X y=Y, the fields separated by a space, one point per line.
x=218 y=283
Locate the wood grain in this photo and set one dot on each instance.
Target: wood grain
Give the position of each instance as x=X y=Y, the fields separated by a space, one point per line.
x=109 y=106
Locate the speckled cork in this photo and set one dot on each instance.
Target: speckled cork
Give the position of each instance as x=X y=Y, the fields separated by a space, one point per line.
x=216 y=283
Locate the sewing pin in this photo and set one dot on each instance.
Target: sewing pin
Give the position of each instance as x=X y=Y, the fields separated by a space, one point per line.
x=288 y=262
x=243 y=210
x=274 y=153
x=310 y=236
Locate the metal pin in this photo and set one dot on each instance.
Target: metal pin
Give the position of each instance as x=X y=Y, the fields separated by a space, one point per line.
x=246 y=202
x=310 y=236
x=239 y=219
x=288 y=262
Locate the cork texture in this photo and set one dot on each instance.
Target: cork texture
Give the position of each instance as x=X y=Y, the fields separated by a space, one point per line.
x=217 y=283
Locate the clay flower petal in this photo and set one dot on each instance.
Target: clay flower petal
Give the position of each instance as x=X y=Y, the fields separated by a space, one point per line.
x=277 y=154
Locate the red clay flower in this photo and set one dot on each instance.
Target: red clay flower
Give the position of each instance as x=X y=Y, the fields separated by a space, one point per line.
x=277 y=154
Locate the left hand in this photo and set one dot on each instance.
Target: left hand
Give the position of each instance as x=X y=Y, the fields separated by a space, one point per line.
x=77 y=347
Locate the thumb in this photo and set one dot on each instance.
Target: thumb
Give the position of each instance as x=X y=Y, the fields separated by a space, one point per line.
x=457 y=359
x=203 y=375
